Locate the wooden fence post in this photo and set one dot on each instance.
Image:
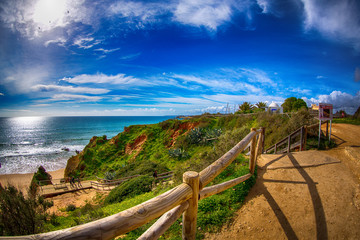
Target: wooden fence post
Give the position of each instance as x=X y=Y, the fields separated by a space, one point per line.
x=190 y=215
x=301 y=138
x=275 y=148
x=262 y=134
x=289 y=144
x=252 y=151
x=305 y=136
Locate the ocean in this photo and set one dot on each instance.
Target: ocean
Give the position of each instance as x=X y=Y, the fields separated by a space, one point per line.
x=28 y=142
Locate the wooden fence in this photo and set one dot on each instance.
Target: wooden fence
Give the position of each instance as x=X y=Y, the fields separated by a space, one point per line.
x=296 y=139
x=169 y=206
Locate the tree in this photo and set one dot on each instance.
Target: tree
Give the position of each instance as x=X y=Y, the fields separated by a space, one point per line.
x=21 y=215
x=246 y=107
x=293 y=104
x=261 y=105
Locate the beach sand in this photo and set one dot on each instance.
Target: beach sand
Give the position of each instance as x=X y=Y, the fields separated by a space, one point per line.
x=22 y=181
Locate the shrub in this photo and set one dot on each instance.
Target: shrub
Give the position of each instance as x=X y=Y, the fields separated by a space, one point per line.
x=203 y=135
x=41 y=177
x=21 y=215
x=110 y=175
x=178 y=153
x=130 y=189
x=70 y=208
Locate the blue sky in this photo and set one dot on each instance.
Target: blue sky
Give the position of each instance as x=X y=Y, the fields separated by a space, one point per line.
x=69 y=58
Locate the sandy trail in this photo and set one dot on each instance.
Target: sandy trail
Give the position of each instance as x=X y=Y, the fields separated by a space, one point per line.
x=321 y=201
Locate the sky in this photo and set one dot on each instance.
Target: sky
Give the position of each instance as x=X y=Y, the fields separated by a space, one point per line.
x=176 y=57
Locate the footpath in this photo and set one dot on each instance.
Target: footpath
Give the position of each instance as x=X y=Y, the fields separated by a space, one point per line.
x=304 y=195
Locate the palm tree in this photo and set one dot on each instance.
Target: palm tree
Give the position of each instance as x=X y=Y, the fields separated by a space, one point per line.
x=261 y=105
x=246 y=107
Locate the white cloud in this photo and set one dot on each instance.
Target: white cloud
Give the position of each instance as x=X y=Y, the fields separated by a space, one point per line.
x=75 y=97
x=340 y=101
x=357 y=75
x=264 y=5
x=69 y=89
x=210 y=14
x=59 y=41
x=1 y=94
x=299 y=90
x=33 y=19
x=236 y=99
x=257 y=76
x=118 y=79
x=86 y=42
x=105 y=51
x=21 y=79
x=320 y=77
x=337 y=20
x=218 y=83
x=141 y=13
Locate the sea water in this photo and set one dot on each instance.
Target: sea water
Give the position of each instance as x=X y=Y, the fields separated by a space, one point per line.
x=28 y=142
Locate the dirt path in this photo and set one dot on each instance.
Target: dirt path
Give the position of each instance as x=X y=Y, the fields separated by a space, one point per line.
x=305 y=195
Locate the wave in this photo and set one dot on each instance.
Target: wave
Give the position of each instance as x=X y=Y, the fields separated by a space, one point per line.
x=39 y=150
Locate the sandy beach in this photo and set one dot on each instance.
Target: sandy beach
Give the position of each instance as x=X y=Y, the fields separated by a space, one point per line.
x=22 y=181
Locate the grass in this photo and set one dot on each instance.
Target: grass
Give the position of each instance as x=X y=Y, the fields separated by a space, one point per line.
x=104 y=155
x=354 y=121
x=213 y=211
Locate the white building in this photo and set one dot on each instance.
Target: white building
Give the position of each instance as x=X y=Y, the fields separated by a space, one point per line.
x=274 y=107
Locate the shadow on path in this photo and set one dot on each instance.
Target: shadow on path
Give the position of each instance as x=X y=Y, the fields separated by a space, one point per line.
x=321 y=227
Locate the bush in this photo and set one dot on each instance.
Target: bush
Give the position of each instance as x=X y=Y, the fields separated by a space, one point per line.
x=41 y=177
x=110 y=175
x=178 y=153
x=130 y=189
x=70 y=208
x=21 y=215
x=203 y=135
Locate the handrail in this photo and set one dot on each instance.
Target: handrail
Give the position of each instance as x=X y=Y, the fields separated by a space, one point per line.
x=183 y=198
x=302 y=131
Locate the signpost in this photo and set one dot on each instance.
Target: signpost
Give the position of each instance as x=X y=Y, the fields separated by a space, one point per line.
x=325 y=114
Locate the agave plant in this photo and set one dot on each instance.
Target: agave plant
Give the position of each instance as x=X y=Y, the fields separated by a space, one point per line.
x=178 y=153
x=110 y=175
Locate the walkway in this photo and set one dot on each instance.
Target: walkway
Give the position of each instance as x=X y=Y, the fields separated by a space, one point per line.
x=50 y=191
x=304 y=195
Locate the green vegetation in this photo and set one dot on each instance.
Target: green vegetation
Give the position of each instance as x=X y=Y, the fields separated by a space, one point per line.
x=41 y=177
x=293 y=104
x=172 y=145
x=21 y=215
x=348 y=120
x=247 y=107
x=130 y=189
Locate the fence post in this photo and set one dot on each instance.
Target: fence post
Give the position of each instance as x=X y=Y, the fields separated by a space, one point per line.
x=289 y=144
x=252 y=151
x=263 y=139
x=190 y=215
x=305 y=137
x=301 y=138
x=275 y=148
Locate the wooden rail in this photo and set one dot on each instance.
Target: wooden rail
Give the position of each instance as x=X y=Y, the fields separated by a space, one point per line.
x=182 y=199
x=289 y=140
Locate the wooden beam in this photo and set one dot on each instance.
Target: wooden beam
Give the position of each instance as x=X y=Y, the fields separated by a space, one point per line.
x=252 y=151
x=215 y=189
x=125 y=221
x=164 y=222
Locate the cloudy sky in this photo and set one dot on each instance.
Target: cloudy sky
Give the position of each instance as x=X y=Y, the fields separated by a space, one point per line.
x=60 y=57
